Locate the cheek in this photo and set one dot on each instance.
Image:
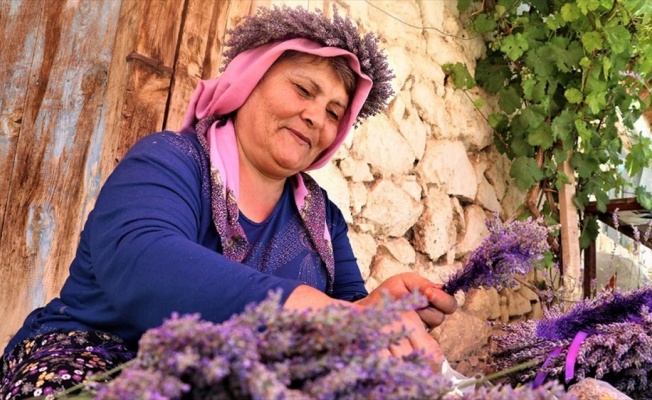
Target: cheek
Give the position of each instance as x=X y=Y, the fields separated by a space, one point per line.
x=329 y=137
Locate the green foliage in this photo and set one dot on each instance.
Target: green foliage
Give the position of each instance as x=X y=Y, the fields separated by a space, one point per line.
x=567 y=75
x=461 y=76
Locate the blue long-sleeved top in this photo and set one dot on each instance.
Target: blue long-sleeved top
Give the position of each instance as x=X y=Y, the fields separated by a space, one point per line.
x=150 y=248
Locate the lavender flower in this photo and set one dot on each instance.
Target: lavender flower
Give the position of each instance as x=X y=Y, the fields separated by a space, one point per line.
x=617 y=350
x=268 y=352
x=284 y=23
x=510 y=249
x=587 y=315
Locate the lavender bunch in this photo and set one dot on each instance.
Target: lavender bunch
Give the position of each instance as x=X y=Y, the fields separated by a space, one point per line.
x=268 y=352
x=618 y=349
x=511 y=248
x=284 y=23
x=548 y=391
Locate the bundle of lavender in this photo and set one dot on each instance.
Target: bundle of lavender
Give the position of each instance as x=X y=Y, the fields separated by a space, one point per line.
x=271 y=353
x=511 y=248
x=608 y=338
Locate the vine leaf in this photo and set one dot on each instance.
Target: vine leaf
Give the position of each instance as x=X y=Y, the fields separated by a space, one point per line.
x=573 y=96
x=588 y=5
x=639 y=157
x=514 y=46
x=592 y=41
x=525 y=172
x=644 y=198
x=510 y=99
x=618 y=38
x=589 y=231
x=483 y=24
x=462 y=79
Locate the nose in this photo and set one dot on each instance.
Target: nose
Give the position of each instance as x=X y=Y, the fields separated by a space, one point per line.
x=314 y=116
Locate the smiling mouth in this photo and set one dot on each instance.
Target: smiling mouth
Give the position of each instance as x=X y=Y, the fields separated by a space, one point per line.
x=301 y=137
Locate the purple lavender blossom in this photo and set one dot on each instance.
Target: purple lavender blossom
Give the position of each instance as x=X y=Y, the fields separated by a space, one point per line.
x=284 y=23
x=268 y=352
x=511 y=248
x=618 y=349
x=589 y=314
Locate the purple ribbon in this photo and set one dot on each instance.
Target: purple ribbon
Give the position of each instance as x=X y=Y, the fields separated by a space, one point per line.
x=573 y=351
x=541 y=376
x=571 y=357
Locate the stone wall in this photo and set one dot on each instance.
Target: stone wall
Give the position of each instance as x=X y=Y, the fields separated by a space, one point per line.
x=417 y=183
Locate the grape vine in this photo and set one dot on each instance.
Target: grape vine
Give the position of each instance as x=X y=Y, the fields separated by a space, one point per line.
x=570 y=78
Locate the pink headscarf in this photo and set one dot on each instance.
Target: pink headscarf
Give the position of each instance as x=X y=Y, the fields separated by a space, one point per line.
x=221 y=96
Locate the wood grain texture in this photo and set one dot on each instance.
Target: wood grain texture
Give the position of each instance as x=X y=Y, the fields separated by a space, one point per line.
x=200 y=49
x=63 y=51
x=141 y=74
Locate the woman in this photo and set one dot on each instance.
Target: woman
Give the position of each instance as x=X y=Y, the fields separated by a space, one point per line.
x=212 y=218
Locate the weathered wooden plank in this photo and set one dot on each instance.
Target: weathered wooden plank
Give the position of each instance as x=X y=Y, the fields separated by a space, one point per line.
x=200 y=49
x=570 y=237
x=16 y=55
x=141 y=74
x=57 y=150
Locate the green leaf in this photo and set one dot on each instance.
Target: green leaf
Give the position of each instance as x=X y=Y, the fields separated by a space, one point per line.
x=525 y=172
x=606 y=67
x=618 y=38
x=510 y=100
x=534 y=90
x=492 y=73
x=644 y=198
x=514 y=46
x=588 y=5
x=484 y=23
x=601 y=199
x=463 y=5
x=560 y=155
x=565 y=54
x=592 y=41
x=597 y=102
x=462 y=79
x=607 y=4
x=538 y=61
x=541 y=6
x=584 y=165
x=534 y=116
x=562 y=179
x=639 y=7
x=590 y=231
x=520 y=147
x=639 y=156
x=583 y=131
x=541 y=137
x=497 y=121
x=573 y=95
x=563 y=124
x=570 y=12
x=478 y=103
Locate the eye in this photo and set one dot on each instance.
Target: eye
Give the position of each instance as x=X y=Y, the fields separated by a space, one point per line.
x=302 y=90
x=333 y=115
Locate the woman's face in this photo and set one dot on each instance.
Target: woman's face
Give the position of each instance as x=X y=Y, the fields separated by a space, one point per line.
x=291 y=116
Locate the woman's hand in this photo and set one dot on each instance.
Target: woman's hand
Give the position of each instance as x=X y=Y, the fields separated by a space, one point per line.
x=417 y=322
x=440 y=302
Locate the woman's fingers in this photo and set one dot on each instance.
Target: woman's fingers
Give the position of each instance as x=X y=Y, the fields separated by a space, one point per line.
x=431 y=316
x=418 y=340
x=439 y=299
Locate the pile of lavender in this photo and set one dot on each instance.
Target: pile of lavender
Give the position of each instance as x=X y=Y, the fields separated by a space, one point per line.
x=617 y=347
x=510 y=249
x=268 y=352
